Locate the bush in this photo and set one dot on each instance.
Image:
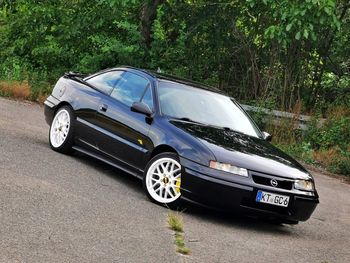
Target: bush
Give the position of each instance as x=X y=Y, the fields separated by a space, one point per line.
x=335 y=132
x=327 y=146
x=334 y=159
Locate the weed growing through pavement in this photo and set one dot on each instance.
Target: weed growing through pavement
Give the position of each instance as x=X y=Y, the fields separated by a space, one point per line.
x=175 y=223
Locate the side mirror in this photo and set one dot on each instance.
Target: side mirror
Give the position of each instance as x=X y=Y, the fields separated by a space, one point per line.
x=267 y=136
x=142 y=108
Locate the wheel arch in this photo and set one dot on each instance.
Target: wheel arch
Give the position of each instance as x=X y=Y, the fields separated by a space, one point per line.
x=61 y=104
x=163 y=148
x=50 y=112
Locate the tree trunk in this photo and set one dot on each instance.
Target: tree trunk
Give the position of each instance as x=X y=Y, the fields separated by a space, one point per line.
x=148 y=15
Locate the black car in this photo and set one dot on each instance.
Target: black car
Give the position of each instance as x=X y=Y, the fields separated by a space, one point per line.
x=183 y=139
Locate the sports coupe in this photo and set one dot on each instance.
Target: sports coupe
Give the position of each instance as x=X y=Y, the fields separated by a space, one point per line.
x=184 y=140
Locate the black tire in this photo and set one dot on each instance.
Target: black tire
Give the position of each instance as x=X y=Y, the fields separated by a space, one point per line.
x=284 y=221
x=290 y=222
x=159 y=158
x=66 y=146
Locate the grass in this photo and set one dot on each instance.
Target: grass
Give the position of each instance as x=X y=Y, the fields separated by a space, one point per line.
x=15 y=89
x=326 y=147
x=175 y=223
x=332 y=160
x=180 y=244
x=24 y=90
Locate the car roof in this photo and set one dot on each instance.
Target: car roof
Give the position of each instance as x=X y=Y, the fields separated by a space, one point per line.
x=167 y=77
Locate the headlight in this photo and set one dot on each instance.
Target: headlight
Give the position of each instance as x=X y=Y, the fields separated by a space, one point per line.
x=305 y=185
x=229 y=168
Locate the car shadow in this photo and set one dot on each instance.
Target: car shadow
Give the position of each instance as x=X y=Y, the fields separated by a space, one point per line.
x=109 y=171
x=234 y=220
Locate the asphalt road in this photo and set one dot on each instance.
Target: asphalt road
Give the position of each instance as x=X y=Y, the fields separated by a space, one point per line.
x=57 y=208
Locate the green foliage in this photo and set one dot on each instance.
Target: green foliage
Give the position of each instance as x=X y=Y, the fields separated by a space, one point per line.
x=301 y=151
x=297 y=20
x=341 y=165
x=254 y=50
x=335 y=132
x=327 y=145
x=57 y=36
x=275 y=54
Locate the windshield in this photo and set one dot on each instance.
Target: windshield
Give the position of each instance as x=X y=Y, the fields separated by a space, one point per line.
x=198 y=105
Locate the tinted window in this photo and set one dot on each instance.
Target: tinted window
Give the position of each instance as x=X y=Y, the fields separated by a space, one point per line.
x=182 y=101
x=129 y=88
x=106 y=82
x=147 y=98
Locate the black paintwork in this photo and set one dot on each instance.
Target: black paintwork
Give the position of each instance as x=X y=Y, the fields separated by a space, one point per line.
x=245 y=151
x=125 y=138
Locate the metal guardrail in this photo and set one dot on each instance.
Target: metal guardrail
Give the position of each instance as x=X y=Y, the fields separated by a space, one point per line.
x=300 y=121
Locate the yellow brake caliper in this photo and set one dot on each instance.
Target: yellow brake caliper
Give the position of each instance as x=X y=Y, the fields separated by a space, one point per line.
x=178 y=184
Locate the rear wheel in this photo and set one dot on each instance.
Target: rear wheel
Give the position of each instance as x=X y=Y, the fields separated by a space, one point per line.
x=162 y=179
x=61 y=130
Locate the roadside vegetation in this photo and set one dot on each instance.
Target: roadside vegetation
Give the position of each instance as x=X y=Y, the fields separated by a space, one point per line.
x=175 y=223
x=326 y=146
x=287 y=55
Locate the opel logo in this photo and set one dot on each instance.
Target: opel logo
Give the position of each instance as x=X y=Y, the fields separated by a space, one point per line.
x=273 y=182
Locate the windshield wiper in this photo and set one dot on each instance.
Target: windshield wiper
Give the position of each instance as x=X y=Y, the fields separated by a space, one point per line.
x=205 y=124
x=189 y=120
x=227 y=129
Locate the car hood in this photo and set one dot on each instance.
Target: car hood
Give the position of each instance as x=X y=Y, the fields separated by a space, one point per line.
x=245 y=151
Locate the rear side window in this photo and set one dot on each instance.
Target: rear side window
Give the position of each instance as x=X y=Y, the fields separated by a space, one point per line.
x=106 y=82
x=129 y=88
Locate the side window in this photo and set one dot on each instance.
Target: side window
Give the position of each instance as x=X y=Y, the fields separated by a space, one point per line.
x=129 y=88
x=147 y=98
x=106 y=82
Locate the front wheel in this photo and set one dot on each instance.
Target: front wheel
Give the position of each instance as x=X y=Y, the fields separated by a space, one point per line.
x=61 y=130
x=162 y=179
x=284 y=221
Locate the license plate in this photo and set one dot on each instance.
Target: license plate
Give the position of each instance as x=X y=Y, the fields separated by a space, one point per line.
x=273 y=199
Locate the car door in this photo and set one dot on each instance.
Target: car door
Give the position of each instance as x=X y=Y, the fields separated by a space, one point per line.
x=90 y=94
x=124 y=133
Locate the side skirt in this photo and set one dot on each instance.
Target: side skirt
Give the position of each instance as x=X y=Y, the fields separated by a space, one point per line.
x=103 y=159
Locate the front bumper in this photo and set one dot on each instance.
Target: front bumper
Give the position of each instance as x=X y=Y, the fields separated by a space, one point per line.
x=223 y=191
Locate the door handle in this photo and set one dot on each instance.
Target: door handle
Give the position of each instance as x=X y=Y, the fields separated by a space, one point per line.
x=103 y=107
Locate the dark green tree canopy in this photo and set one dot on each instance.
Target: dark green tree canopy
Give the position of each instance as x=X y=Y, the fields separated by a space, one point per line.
x=281 y=52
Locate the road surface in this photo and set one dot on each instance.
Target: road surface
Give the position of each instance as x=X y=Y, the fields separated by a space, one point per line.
x=58 y=208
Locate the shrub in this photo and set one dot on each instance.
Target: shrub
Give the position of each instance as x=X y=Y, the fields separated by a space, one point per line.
x=334 y=159
x=15 y=89
x=335 y=132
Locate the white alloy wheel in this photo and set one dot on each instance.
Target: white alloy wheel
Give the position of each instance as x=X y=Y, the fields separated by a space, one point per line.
x=60 y=128
x=163 y=180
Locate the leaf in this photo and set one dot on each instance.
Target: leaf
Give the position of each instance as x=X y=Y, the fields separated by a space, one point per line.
x=284 y=15
x=297 y=35
x=313 y=36
x=288 y=27
x=327 y=10
x=306 y=34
